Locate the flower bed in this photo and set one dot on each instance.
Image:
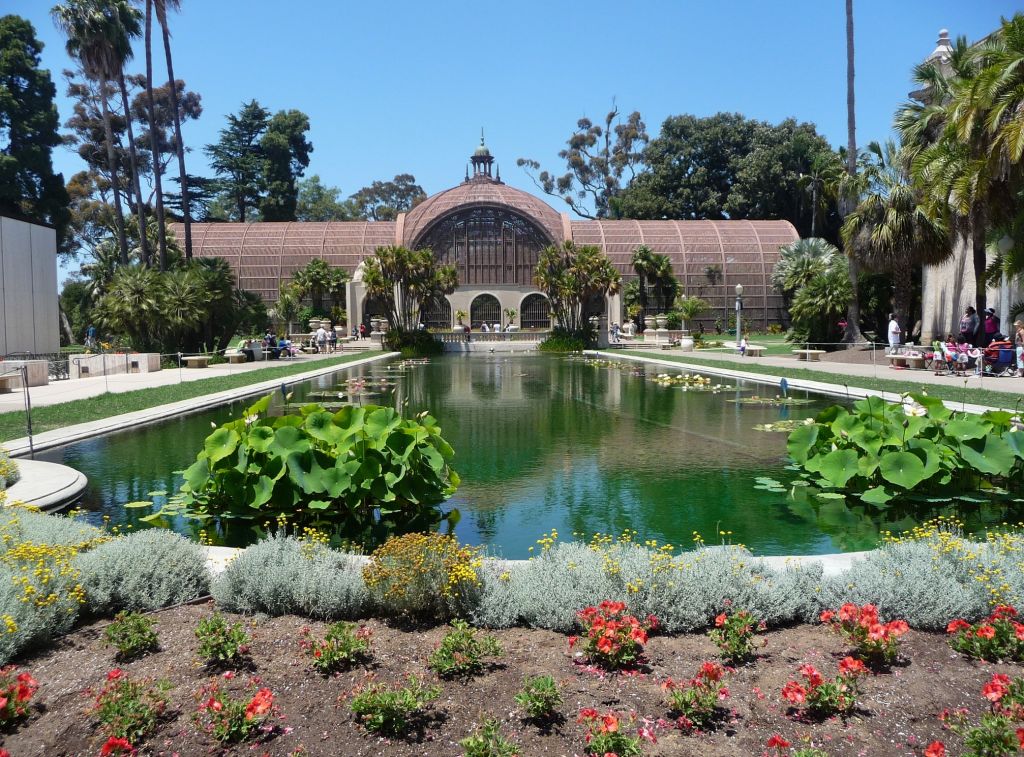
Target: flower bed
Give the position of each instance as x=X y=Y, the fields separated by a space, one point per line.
x=897 y=711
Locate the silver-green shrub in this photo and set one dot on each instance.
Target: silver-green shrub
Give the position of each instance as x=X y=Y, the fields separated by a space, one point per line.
x=913 y=580
x=143 y=571
x=9 y=473
x=284 y=575
x=23 y=525
x=684 y=592
x=25 y=624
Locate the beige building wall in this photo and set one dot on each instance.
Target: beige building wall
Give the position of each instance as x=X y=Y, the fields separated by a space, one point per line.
x=28 y=288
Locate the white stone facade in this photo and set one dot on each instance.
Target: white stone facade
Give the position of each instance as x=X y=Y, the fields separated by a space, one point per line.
x=28 y=288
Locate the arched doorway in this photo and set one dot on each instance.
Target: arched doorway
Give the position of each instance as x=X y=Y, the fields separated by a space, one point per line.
x=536 y=312
x=485 y=308
x=437 y=314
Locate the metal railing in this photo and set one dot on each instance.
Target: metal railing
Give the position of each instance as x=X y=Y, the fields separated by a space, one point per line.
x=459 y=337
x=57 y=362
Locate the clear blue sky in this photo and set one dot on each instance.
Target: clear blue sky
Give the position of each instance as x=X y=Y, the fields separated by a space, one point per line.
x=405 y=87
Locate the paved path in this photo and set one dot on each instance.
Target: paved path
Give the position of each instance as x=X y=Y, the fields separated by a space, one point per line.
x=93 y=386
x=846 y=374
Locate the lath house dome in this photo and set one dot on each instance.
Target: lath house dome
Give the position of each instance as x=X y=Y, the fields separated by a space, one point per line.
x=481 y=193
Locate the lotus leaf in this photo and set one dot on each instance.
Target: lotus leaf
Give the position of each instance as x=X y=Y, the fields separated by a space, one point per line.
x=904 y=469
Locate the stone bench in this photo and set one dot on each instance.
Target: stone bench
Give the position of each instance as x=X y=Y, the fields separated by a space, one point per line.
x=907 y=361
x=197 y=361
x=235 y=357
x=812 y=355
x=753 y=350
x=9 y=383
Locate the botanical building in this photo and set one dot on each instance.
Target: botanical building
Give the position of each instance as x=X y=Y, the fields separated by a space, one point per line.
x=493 y=234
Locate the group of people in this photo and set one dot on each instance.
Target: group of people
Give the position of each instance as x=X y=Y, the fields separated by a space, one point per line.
x=980 y=342
x=270 y=345
x=325 y=340
x=496 y=328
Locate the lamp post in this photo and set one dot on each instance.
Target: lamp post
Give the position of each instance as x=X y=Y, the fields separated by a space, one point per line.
x=739 y=313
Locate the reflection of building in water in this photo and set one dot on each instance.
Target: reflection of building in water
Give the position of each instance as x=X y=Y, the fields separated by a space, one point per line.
x=493 y=234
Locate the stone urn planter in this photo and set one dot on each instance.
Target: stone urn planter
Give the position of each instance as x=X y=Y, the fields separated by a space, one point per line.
x=661 y=320
x=314 y=324
x=375 y=324
x=686 y=343
x=650 y=322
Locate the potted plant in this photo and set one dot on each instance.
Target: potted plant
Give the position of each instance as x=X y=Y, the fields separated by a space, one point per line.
x=689 y=308
x=510 y=316
x=459 y=315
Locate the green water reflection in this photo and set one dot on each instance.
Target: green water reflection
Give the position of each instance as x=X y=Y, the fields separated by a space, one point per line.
x=545 y=442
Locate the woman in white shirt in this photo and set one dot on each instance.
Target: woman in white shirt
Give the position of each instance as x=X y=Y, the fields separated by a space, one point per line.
x=894 y=333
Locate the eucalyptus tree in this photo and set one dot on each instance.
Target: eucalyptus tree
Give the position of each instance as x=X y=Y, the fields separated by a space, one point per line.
x=848 y=197
x=90 y=33
x=154 y=137
x=160 y=8
x=890 y=230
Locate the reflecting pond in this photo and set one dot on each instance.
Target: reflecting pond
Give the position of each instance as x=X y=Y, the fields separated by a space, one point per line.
x=546 y=442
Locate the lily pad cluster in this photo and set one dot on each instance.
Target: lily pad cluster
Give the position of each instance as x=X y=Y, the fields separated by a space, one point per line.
x=786 y=425
x=879 y=451
x=689 y=382
x=362 y=472
x=777 y=401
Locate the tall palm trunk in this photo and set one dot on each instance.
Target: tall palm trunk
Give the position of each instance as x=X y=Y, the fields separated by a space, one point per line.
x=151 y=108
x=852 y=334
x=133 y=160
x=978 y=252
x=173 y=87
x=115 y=183
x=902 y=280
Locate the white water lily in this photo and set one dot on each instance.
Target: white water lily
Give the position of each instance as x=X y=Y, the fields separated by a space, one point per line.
x=251 y=419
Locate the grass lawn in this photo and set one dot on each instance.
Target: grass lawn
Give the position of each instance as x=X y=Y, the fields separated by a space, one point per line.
x=952 y=392
x=49 y=417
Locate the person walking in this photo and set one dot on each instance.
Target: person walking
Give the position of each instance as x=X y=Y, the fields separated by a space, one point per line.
x=894 y=332
x=332 y=340
x=321 y=339
x=1018 y=346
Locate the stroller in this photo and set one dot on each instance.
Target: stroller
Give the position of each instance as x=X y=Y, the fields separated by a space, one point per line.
x=1000 y=358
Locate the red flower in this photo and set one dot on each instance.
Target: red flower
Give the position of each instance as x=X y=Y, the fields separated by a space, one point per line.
x=114 y=674
x=812 y=675
x=993 y=691
x=777 y=742
x=609 y=723
x=794 y=692
x=849 y=666
x=897 y=627
x=985 y=632
x=826 y=617
x=848 y=611
x=116 y=745
x=1020 y=737
x=720 y=620
x=587 y=713
x=604 y=645
x=573 y=640
x=260 y=704
x=711 y=671
x=1003 y=611
x=935 y=749
x=957 y=625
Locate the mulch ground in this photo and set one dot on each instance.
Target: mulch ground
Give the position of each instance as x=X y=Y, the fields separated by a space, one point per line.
x=897 y=714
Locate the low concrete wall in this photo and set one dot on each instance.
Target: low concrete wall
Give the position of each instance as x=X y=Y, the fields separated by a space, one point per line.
x=87 y=364
x=491 y=346
x=38 y=370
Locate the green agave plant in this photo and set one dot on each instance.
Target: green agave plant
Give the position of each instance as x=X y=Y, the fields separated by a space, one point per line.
x=879 y=451
x=362 y=472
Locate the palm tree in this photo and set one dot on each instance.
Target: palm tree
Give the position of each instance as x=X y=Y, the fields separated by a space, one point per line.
x=890 y=230
x=949 y=149
x=690 y=307
x=153 y=138
x=666 y=285
x=848 y=199
x=819 y=181
x=642 y=262
x=800 y=261
x=89 y=34
x=160 y=8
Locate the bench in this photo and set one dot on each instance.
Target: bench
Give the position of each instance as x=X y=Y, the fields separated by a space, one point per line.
x=197 y=361
x=235 y=357
x=812 y=355
x=906 y=361
x=753 y=350
x=9 y=382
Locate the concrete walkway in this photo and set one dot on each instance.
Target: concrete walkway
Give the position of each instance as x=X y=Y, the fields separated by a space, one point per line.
x=77 y=389
x=68 y=434
x=846 y=375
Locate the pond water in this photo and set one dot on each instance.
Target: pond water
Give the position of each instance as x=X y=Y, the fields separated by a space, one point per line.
x=546 y=442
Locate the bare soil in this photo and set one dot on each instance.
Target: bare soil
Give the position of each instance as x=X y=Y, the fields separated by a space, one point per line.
x=897 y=714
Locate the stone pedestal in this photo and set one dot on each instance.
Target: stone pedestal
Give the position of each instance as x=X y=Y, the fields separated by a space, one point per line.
x=109 y=364
x=38 y=370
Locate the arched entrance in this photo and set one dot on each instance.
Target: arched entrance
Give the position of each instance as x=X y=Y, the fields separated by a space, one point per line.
x=536 y=312
x=485 y=308
x=437 y=314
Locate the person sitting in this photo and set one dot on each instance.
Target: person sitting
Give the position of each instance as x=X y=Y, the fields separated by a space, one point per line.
x=743 y=347
x=484 y=327
x=246 y=349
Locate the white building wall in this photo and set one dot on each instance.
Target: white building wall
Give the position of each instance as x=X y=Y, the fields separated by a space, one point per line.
x=28 y=288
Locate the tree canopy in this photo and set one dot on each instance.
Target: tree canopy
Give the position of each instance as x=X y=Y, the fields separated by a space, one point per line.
x=572 y=277
x=28 y=132
x=384 y=200
x=730 y=166
x=404 y=280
